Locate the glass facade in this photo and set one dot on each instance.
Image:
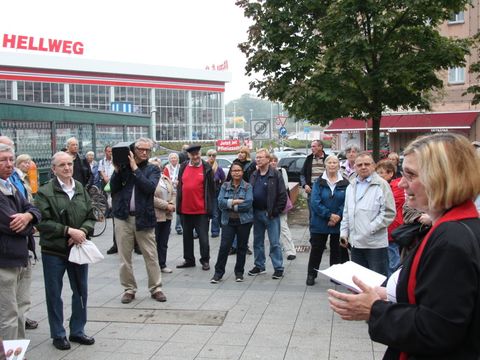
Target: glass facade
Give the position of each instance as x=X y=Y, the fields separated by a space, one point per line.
x=179 y=114
x=90 y=96
x=40 y=92
x=107 y=135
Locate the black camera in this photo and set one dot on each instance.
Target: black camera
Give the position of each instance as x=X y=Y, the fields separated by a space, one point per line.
x=120 y=153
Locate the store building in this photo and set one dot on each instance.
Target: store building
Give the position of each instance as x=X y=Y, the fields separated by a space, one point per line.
x=183 y=104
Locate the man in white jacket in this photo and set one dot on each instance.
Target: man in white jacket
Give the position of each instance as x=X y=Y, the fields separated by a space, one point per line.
x=369 y=209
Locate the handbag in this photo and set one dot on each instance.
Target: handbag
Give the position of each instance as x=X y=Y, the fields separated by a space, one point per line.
x=406 y=234
x=85 y=253
x=288 y=206
x=107 y=187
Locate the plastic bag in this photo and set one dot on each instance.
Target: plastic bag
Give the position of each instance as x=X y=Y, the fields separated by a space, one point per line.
x=85 y=253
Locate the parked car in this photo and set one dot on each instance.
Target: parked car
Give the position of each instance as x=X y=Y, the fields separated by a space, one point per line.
x=293 y=165
x=224 y=164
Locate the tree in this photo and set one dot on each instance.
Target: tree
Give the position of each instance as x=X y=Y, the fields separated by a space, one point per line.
x=326 y=59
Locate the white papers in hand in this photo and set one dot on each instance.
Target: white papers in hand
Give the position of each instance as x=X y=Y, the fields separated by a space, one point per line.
x=343 y=273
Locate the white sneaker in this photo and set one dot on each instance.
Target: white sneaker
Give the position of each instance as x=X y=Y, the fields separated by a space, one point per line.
x=167 y=270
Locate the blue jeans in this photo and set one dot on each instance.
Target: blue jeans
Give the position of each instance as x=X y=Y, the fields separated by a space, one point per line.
x=393 y=257
x=373 y=259
x=54 y=268
x=262 y=222
x=230 y=231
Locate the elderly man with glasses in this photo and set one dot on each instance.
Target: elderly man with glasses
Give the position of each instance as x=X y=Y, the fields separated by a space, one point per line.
x=133 y=188
x=368 y=211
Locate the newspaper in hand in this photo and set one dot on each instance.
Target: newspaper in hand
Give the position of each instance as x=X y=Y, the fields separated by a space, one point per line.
x=343 y=273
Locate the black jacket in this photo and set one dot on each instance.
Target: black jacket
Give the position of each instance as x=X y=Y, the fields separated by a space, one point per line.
x=81 y=170
x=445 y=322
x=145 y=179
x=306 y=172
x=276 y=193
x=14 y=246
x=208 y=187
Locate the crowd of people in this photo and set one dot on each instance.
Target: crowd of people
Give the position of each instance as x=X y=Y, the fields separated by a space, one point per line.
x=357 y=206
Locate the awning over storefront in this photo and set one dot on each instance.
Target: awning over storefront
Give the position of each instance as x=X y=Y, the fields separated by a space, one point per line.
x=422 y=122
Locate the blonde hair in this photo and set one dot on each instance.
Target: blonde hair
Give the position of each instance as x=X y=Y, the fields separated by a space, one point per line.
x=332 y=156
x=447 y=166
x=245 y=150
x=267 y=153
x=21 y=158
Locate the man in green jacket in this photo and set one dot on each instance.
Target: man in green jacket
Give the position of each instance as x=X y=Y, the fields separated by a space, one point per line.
x=67 y=219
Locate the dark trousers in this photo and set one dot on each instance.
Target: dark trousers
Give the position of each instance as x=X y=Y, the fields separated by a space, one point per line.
x=200 y=224
x=242 y=232
x=338 y=254
x=162 y=233
x=373 y=259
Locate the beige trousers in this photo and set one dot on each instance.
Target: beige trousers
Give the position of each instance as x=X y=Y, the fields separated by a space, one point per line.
x=14 y=301
x=126 y=233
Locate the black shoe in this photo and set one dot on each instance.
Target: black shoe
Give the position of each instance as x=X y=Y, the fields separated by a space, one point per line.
x=205 y=266
x=310 y=280
x=277 y=274
x=112 y=250
x=249 y=252
x=215 y=235
x=83 y=339
x=239 y=277
x=232 y=251
x=31 y=324
x=61 y=343
x=291 y=257
x=215 y=279
x=180 y=232
x=137 y=251
x=256 y=271
x=185 y=265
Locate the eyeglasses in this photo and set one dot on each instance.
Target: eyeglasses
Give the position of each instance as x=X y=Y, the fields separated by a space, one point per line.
x=62 y=165
x=363 y=164
x=146 y=150
x=212 y=155
x=9 y=159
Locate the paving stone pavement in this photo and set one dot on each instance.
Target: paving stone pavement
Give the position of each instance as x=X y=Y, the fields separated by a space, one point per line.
x=260 y=318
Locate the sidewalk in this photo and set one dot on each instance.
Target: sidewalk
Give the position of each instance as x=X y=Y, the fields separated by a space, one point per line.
x=260 y=318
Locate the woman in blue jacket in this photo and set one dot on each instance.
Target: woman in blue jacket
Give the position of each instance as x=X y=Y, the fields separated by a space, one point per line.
x=235 y=201
x=326 y=204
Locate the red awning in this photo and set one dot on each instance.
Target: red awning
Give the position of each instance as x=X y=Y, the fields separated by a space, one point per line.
x=409 y=122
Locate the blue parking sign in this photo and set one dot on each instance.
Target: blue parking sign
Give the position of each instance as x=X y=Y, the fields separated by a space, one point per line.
x=282 y=131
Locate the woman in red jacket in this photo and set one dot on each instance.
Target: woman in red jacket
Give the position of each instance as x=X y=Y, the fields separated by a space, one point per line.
x=386 y=169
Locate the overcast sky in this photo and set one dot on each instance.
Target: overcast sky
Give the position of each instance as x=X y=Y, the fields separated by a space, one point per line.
x=180 y=33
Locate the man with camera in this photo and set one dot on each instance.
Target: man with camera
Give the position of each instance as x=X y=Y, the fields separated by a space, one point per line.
x=133 y=185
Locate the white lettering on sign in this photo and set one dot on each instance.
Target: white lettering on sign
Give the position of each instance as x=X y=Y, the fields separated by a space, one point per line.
x=23 y=42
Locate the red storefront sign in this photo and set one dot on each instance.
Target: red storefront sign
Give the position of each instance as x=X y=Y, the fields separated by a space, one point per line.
x=23 y=42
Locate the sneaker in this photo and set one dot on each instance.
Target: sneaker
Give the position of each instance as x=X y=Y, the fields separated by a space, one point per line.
x=256 y=271
x=239 y=278
x=278 y=274
x=215 y=279
x=166 y=270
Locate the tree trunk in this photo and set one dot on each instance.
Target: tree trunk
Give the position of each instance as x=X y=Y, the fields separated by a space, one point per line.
x=376 y=136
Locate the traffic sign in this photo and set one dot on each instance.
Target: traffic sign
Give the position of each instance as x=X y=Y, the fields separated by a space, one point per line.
x=282 y=131
x=260 y=129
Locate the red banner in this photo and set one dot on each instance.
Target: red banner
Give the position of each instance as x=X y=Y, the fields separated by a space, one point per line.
x=228 y=145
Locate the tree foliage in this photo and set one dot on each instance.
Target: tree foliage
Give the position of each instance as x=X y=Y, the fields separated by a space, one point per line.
x=325 y=59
